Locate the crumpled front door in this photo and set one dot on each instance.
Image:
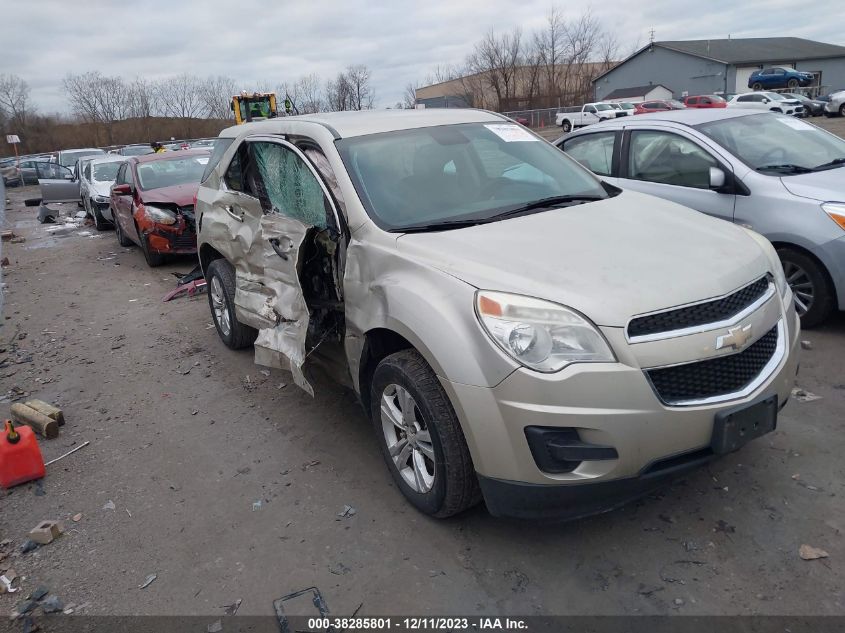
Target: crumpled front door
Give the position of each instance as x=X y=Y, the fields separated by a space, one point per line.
x=295 y=203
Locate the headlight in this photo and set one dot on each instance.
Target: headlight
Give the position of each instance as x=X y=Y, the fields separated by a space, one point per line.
x=539 y=334
x=162 y=216
x=780 y=279
x=836 y=211
x=101 y=199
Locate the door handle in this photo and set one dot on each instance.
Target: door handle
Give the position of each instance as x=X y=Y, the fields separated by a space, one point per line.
x=231 y=212
x=274 y=242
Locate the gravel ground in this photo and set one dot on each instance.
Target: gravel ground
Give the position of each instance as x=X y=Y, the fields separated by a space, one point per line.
x=226 y=482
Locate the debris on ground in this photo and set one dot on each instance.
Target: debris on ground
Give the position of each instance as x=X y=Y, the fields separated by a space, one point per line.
x=808 y=552
x=316 y=600
x=46 y=532
x=28 y=545
x=7 y=581
x=148 y=581
x=39 y=593
x=52 y=604
x=38 y=422
x=256 y=505
x=7 y=235
x=215 y=627
x=4 y=262
x=70 y=452
x=722 y=526
x=109 y=505
x=802 y=395
x=77 y=517
x=47 y=409
x=311 y=464
x=339 y=570
x=679 y=602
x=347 y=511
x=806 y=345
x=232 y=609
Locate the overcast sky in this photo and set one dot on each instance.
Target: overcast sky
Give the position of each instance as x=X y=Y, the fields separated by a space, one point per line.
x=400 y=40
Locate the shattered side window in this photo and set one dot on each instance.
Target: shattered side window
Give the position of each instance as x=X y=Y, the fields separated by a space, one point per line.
x=289 y=186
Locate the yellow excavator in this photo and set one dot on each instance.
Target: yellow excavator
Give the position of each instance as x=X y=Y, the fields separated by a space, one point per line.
x=255 y=107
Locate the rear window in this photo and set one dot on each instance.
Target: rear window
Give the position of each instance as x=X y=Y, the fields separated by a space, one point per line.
x=220 y=147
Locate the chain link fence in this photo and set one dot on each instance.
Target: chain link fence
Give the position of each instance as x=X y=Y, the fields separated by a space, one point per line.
x=542 y=118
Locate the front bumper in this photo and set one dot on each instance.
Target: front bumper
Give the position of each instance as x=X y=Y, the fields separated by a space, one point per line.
x=609 y=405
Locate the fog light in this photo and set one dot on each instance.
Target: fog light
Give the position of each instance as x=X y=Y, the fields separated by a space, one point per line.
x=561 y=450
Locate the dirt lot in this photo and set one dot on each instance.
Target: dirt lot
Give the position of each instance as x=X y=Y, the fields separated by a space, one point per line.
x=227 y=483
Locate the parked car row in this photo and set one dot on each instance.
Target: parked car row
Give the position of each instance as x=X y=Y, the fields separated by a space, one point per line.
x=148 y=199
x=782 y=177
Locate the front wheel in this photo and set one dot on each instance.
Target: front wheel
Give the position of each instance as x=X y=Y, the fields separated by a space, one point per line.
x=420 y=436
x=100 y=223
x=842 y=110
x=220 y=277
x=153 y=259
x=566 y=126
x=756 y=86
x=811 y=287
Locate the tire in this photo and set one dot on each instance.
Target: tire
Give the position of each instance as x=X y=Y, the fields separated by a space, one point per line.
x=118 y=231
x=444 y=458
x=756 y=86
x=220 y=277
x=809 y=278
x=566 y=126
x=792 y=84
x=842 y=110
x=153 y=259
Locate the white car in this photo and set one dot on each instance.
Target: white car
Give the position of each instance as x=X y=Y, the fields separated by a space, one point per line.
x=771 y=101
x=836 y=105
x=570 y=118
x=95 y=182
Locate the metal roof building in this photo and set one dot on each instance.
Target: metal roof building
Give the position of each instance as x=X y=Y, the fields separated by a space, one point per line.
x=723 y=65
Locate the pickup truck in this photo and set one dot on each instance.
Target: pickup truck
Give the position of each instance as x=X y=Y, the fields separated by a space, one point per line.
x=570 y=118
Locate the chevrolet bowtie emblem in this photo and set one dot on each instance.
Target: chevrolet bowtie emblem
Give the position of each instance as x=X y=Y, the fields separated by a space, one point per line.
x=736 y=337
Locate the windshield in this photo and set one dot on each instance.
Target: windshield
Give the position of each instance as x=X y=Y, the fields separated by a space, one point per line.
x=716 y=99
x=615 y=106
x=106 y=172
x=775 y=96
x=68 y=159
x=602 y=106
x=777 y=144
x=168 y=173
x=673 y=103
x=456 y=173
x=627 y=106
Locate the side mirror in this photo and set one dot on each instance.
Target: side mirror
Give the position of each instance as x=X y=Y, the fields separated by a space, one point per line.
x=765 y=100
x=125 y=190
x=717 y=178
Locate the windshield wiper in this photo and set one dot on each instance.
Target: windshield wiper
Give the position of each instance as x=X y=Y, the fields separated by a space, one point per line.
x=542 y=203
x=834 y=163
x=788 y=168
x=546 y=203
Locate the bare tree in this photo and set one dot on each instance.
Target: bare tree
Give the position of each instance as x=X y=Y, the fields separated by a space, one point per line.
x=14 y=99
x=81 y=92
x=180 y=98
x=497 y=59
x=549 y=48
x=338 y=93
x=310 y=94
x=362 y=95
x=410 y=96
x=216 y=95
x=141 y=98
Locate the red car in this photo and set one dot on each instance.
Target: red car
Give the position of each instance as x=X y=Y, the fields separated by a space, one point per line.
x=152 y=202
x=705 y=101
x=658 y=106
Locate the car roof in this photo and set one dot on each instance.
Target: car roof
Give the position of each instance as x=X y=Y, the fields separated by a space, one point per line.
x=82 y=149
x=151 y=158
x=690 y=117
x=108 y=158
x=348 y=124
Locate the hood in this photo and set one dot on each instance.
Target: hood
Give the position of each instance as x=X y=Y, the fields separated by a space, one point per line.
x=180 y=195
x=609 y=260
x=100 y=188
x=825 y=186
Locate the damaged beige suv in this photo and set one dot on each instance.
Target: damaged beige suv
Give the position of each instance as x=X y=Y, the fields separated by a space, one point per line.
x=516 y=329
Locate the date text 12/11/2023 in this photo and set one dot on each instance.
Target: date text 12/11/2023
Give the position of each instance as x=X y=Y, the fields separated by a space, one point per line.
x=417 y=624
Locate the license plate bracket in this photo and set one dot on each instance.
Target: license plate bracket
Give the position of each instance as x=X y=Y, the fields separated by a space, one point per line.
x=734 y=428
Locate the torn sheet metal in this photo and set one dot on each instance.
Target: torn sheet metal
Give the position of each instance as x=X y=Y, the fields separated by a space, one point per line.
x=316 y=599
x=282 y=345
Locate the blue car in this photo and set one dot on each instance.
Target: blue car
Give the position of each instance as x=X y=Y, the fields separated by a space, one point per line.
x=778 y=77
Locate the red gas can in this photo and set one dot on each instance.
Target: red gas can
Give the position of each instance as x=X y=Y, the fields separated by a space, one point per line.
x=20 y=457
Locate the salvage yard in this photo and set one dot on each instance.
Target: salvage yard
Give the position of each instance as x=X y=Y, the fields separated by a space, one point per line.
x=209 y=481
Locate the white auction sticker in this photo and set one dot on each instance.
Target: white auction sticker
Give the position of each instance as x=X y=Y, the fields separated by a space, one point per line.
x=511 y=132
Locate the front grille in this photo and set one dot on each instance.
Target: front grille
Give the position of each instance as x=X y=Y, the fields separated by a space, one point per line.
x=188 y=213
x=700 y=313
x=186 y=240
x=716 y=376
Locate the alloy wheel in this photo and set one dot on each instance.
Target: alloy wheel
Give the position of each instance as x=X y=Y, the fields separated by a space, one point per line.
x=802 y=287
x=408 y=438
x=218 y=302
